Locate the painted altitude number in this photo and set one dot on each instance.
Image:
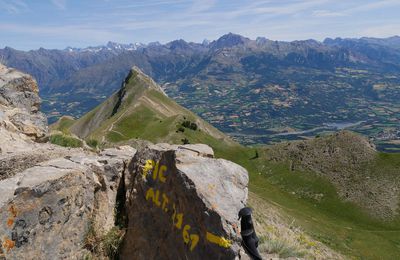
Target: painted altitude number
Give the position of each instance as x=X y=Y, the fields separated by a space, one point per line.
x=161 y=200
x=177 y=218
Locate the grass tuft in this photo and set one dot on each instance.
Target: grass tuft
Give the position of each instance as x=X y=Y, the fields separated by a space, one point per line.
x=93 y=143
x=280 y=247
x=112 y=241
x=65 y=140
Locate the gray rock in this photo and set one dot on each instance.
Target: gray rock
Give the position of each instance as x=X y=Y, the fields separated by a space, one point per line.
x=33 y=154
x=184 y=203
x=20 y=104
x=47 y=210
x=197 y=149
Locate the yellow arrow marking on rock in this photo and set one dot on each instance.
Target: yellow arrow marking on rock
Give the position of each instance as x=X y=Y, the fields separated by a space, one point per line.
x=221 y=241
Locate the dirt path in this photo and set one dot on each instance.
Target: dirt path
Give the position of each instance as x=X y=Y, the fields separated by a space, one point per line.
x=110 y=129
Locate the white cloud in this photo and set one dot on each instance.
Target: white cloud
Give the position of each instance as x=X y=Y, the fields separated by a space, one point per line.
x=13 y=6
x=375 y=5
x=292 y=8
x=60 y=4
x=164 y=20
x=71 y=32
x=158 y=24
x=327 y=13
x=202 y=5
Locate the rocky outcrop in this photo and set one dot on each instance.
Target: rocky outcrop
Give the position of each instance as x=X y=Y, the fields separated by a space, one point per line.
x=184 y=202
x=178 y=197
x=64 y=203
x=20 y=104
x=48 y=211
x=21 y=123
x=16 y=161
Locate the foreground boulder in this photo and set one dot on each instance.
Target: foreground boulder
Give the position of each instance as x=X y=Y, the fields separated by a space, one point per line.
x=178 y=197
x=182 y=204
x=50 y=210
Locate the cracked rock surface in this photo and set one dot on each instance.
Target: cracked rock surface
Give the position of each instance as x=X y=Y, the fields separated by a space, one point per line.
x=20 y=104
x=47 y=209
x=184 y=202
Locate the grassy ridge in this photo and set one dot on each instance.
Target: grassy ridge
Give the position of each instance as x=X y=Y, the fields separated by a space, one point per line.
x=63 y=124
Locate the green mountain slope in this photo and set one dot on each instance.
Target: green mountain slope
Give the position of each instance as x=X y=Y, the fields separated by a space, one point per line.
x=322 y=187
x=338 y=189
x=141 y=110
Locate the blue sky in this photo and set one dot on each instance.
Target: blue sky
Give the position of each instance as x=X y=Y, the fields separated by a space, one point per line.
x=79 y=23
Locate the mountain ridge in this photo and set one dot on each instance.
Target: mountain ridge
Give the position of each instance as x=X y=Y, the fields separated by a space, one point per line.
x=140 y=96
x=230 y=35
x=301 y=84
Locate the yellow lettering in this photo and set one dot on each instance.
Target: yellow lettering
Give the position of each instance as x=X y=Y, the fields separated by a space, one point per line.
x=221 y=241
x=150 y=194
x=165 y=202
x=147 y=167
x=161 y=175
x=185 y=234
x=194 y=240
x=177 y=218
x=156 y=199
x=155 y=171
x=179 y=222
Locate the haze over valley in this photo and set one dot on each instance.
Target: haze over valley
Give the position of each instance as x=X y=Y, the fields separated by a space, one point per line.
x=257 y=91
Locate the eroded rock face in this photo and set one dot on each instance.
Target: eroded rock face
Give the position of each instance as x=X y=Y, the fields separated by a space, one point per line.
x=47 y=211
x=20 y=104
x=181 y=204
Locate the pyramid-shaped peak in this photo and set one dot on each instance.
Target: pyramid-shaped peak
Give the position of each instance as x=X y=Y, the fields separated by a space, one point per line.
x=137 y=70
x=147 y=82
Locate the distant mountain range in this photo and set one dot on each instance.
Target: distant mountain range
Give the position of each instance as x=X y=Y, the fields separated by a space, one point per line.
x=114 y=47
x=334 y=187
x=256 y=90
